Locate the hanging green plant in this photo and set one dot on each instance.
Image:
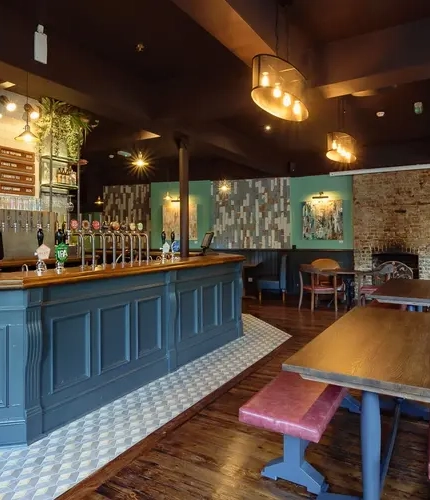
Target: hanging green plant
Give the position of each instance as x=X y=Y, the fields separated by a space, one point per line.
x=65 y=124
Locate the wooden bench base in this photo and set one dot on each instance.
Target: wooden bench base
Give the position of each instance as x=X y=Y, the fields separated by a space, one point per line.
x=293 y=467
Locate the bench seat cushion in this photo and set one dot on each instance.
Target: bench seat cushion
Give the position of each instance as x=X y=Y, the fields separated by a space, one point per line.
x=294 y=406
x=368 y=289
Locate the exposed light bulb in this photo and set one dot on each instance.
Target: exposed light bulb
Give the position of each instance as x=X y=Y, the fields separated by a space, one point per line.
x=348 y=155
x=34 y=115
x=265 y=79
x=277 y=92
x=267 y=128
x=140 y=162
x=334 y=145
x=286 y=101
x=11 y=106
x=297 y=108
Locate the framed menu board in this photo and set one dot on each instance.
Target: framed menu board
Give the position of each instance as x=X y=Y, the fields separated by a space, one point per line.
x=17 y=172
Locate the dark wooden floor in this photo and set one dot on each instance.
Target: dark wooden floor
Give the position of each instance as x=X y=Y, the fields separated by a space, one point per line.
x=207 y=454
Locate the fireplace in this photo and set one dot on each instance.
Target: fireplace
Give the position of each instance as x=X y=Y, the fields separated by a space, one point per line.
x=387 y=255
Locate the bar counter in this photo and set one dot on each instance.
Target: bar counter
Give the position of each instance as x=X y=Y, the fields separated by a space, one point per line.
x=73 y=342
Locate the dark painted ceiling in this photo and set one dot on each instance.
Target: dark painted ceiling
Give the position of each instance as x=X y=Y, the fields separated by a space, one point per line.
x=193 y=78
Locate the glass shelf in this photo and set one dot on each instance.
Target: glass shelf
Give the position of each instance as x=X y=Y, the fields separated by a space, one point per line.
x=59 y=159
x=59 y=185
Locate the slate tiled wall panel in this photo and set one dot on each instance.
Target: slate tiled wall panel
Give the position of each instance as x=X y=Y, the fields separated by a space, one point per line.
x=255 y=214
x=128 y=201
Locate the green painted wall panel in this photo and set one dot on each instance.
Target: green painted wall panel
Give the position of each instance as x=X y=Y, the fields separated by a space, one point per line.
x=302 y=189
x=200 y=194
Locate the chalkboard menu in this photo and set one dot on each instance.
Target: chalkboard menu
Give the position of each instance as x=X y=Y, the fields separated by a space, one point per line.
x=17 y=172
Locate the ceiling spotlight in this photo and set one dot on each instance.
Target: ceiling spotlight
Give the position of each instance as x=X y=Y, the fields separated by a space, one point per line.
x=32 y=113
x=7 y=103
x=224 y=187
x=267 y=128
x=140 y=161
x=126 y=154
x=99 y=201
x=111 y=156
x=380 y=114
x=140 y=47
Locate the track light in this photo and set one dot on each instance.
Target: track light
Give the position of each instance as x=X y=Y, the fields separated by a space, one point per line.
x=7 y=103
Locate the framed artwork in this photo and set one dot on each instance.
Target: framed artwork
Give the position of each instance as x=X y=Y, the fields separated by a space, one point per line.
x=171 y=221
x=323 y=220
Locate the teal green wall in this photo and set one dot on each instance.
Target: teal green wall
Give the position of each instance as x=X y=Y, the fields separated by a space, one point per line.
x=200 y=194
x=302 y=189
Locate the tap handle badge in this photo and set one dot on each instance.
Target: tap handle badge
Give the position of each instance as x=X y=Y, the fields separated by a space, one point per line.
x=172 y=236
x=163 y=237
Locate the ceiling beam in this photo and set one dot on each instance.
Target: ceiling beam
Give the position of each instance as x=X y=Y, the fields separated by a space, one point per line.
x=384 y=58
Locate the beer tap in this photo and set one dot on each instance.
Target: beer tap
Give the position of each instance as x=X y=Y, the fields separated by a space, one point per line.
x=130 y=236
x=122 y=237
x=107 y=234
x=40 y=252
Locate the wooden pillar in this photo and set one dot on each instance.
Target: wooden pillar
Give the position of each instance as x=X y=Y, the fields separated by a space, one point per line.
x=184 y=193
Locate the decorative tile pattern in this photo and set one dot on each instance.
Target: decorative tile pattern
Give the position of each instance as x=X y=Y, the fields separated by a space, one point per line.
x=128 y=201
x=254 y=214
x=48 y=468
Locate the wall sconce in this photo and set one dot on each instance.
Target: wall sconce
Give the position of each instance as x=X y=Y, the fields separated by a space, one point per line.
x=167 y=197
x=99 y=201
x=320 y=196
x=224 y=187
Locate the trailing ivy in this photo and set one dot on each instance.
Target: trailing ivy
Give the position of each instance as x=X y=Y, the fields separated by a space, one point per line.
x=67 y=124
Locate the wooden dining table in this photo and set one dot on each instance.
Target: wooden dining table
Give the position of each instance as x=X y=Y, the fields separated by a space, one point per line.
x=378 y=351
x=403 y=291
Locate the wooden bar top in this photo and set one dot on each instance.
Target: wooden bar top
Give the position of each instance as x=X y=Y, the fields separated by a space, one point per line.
x=371 y=349
x=31 y=261
x=24 y=280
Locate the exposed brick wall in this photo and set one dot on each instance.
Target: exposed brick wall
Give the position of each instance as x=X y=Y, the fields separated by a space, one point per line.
x=392 y=209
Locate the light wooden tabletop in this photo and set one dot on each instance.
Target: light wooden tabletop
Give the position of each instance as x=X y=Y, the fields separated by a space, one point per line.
x=377 y=350
x=413 y=292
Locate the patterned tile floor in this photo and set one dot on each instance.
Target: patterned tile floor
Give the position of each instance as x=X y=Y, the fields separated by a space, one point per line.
x=54 y=464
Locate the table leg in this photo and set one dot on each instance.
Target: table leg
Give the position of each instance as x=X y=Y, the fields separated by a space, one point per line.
x=349 y=292
x=371 y=445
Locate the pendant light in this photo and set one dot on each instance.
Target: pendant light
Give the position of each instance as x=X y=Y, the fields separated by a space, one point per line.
x=341 y=147
x=277 y=85
x=27 y=135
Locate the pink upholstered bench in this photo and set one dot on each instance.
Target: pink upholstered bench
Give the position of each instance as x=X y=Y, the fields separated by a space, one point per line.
x=300 y=410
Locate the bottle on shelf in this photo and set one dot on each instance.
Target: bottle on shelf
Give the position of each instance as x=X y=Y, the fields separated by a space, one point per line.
x=73 y=177
x=59 y=175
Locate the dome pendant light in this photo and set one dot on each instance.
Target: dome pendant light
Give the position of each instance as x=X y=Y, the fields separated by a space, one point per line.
x=278 y=87
x=27 y=135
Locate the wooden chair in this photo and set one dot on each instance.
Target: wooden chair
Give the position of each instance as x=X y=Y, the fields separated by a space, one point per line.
x=323 y=282
x=387 y=270
x=277 y=283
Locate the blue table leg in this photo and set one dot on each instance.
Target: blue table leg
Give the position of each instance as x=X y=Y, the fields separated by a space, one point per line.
x=371 y=445
x=370 y=451
x=415 y=410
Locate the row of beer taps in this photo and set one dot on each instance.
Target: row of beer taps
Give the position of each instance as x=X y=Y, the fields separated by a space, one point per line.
x=25 y=220
x=133 y=251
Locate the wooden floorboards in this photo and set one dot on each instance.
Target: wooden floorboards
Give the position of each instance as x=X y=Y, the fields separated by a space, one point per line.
x=207 y=454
